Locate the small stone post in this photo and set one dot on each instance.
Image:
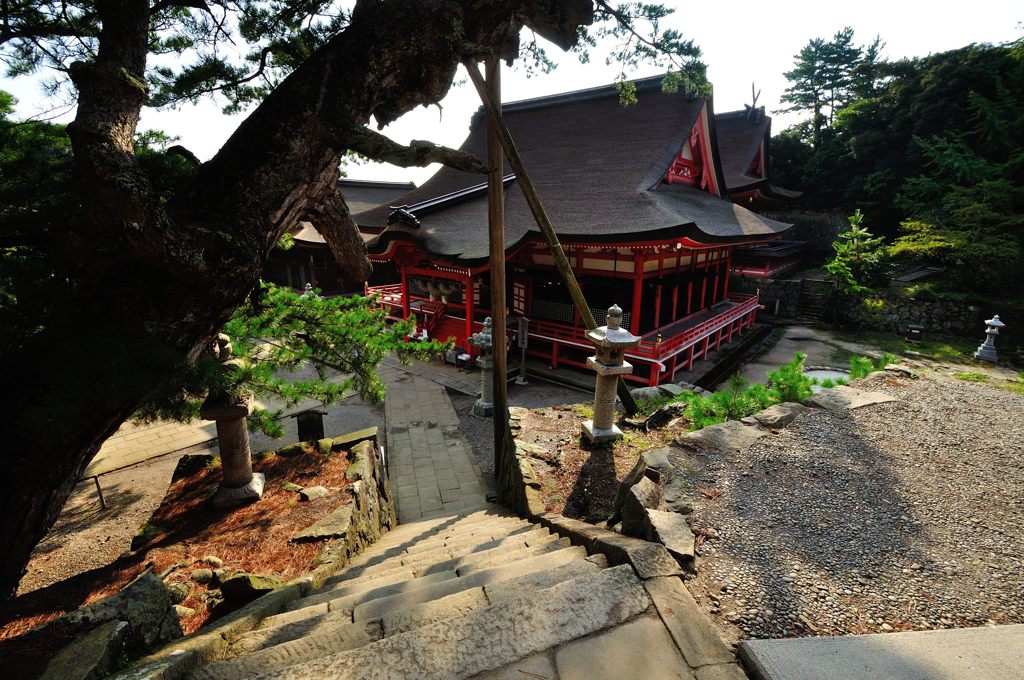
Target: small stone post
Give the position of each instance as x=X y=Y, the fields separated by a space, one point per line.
x=987 y=350
x=609 y=361
x=484 y=340
x=239 y=484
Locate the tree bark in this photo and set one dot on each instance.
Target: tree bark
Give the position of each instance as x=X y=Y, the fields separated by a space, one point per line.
x=154 y=282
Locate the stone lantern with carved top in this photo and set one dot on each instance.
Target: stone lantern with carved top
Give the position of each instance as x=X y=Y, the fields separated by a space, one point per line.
x=609 y=360
x=484 y=341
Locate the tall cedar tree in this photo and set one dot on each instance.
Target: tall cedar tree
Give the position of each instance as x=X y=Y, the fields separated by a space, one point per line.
x=136 y=279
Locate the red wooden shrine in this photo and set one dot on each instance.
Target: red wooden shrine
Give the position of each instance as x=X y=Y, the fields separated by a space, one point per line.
x=635 y=194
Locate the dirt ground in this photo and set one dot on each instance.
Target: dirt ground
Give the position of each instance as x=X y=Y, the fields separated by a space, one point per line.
x=480 y=431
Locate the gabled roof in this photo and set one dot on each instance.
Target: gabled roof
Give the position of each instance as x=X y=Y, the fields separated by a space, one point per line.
x=598 y=167
x=362 y=195
x=740 y=136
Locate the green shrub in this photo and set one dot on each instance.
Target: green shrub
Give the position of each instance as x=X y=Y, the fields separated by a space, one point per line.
x=860 y=367
x=789 y=382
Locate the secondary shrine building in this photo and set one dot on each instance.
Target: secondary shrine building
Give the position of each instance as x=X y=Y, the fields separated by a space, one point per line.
x=641 y=205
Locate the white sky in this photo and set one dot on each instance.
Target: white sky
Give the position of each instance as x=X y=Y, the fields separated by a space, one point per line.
x=742 y=41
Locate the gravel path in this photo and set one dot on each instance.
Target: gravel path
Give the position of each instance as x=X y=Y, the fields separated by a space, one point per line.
x=899 y=516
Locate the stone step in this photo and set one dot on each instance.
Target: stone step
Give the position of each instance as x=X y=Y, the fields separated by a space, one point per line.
x=405 y=576
x=265 y=652
x=340 y=609
x=475 y=523
x=462 y=602
x=485 y=532
x=520 y=562
x=384 y=551
x=490 y=637
x=421 y=528
x=464 y=546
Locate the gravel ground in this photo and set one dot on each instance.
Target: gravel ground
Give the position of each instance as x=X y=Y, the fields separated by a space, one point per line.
x=85 y=536
x=899 y=516
x=480 y=431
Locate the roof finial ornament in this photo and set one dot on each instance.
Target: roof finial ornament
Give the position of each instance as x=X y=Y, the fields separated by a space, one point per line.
x=753 y=112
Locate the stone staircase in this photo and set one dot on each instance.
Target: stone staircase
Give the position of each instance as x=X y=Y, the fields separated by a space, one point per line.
x=482 y=594
x=815 y=298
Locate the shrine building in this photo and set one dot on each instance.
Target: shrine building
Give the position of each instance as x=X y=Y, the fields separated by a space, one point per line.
x=643 y=209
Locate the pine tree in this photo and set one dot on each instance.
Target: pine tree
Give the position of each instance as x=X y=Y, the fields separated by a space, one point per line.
x=861 y=260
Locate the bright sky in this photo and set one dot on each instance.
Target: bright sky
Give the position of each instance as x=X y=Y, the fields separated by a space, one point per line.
x=742 y=41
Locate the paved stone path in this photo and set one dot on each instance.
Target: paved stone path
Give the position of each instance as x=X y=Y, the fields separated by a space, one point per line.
x=990 y=653
x=431 y=464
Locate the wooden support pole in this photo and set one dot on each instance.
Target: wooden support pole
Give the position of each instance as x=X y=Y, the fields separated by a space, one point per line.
x=496 y=236
x=539 y=214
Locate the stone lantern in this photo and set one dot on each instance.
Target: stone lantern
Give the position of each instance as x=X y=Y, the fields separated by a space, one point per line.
x=987 y=350
x=239 y=484
x=609 y=361
x=484 y=341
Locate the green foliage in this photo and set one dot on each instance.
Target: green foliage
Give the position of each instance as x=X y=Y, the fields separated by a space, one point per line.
x=285 y=344
x=789 y=382
x=970 y=376
x=826 y=77
x=637 y=34
x=860 y=367
x=861 y=261
x=967 y=207
x=35 y=207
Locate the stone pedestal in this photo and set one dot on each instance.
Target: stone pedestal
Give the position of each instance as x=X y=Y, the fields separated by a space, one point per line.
x=609 y=362
x=239 y=484
x=484 y=406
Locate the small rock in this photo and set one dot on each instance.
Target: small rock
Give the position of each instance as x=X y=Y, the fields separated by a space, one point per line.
x=213 y=561
x=202 y=575
x=178 y=591
x=289 y=486
x=184 y=612
x=311 y=493
x=887 y=628
x=244 y=588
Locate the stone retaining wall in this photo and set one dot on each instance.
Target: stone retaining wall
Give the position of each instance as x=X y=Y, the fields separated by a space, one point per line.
x=348 y=531
x=780 y=297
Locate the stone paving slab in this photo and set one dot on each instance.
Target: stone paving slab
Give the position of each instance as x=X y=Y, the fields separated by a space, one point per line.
x=991 y=653
x=431 y=463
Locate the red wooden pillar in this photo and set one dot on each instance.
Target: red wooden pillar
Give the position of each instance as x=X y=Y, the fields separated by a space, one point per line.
x=707 y=343
x=554 y=355
x=405 y=292
x=638 y=289
x=657 y=306
x=714 y=289
x=689 y=298
x=704 y=289
x=468 y=283
x=689 y=363
x=672 y=367
x=675 y=300
x=728 y=274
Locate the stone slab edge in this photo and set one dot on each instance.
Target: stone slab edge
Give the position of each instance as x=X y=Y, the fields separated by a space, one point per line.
x=182 y=656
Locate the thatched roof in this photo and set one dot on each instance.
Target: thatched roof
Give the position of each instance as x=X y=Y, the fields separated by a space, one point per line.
x=598 y=167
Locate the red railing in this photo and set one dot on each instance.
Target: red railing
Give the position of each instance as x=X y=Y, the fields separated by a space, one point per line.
x=649 y=349
x=654 y=350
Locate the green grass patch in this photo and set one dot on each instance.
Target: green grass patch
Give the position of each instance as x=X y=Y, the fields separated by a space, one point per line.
x=935 y=348
x=970 y=376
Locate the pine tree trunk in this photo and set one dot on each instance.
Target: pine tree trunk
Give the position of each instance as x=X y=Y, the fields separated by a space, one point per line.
x=155 y=282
